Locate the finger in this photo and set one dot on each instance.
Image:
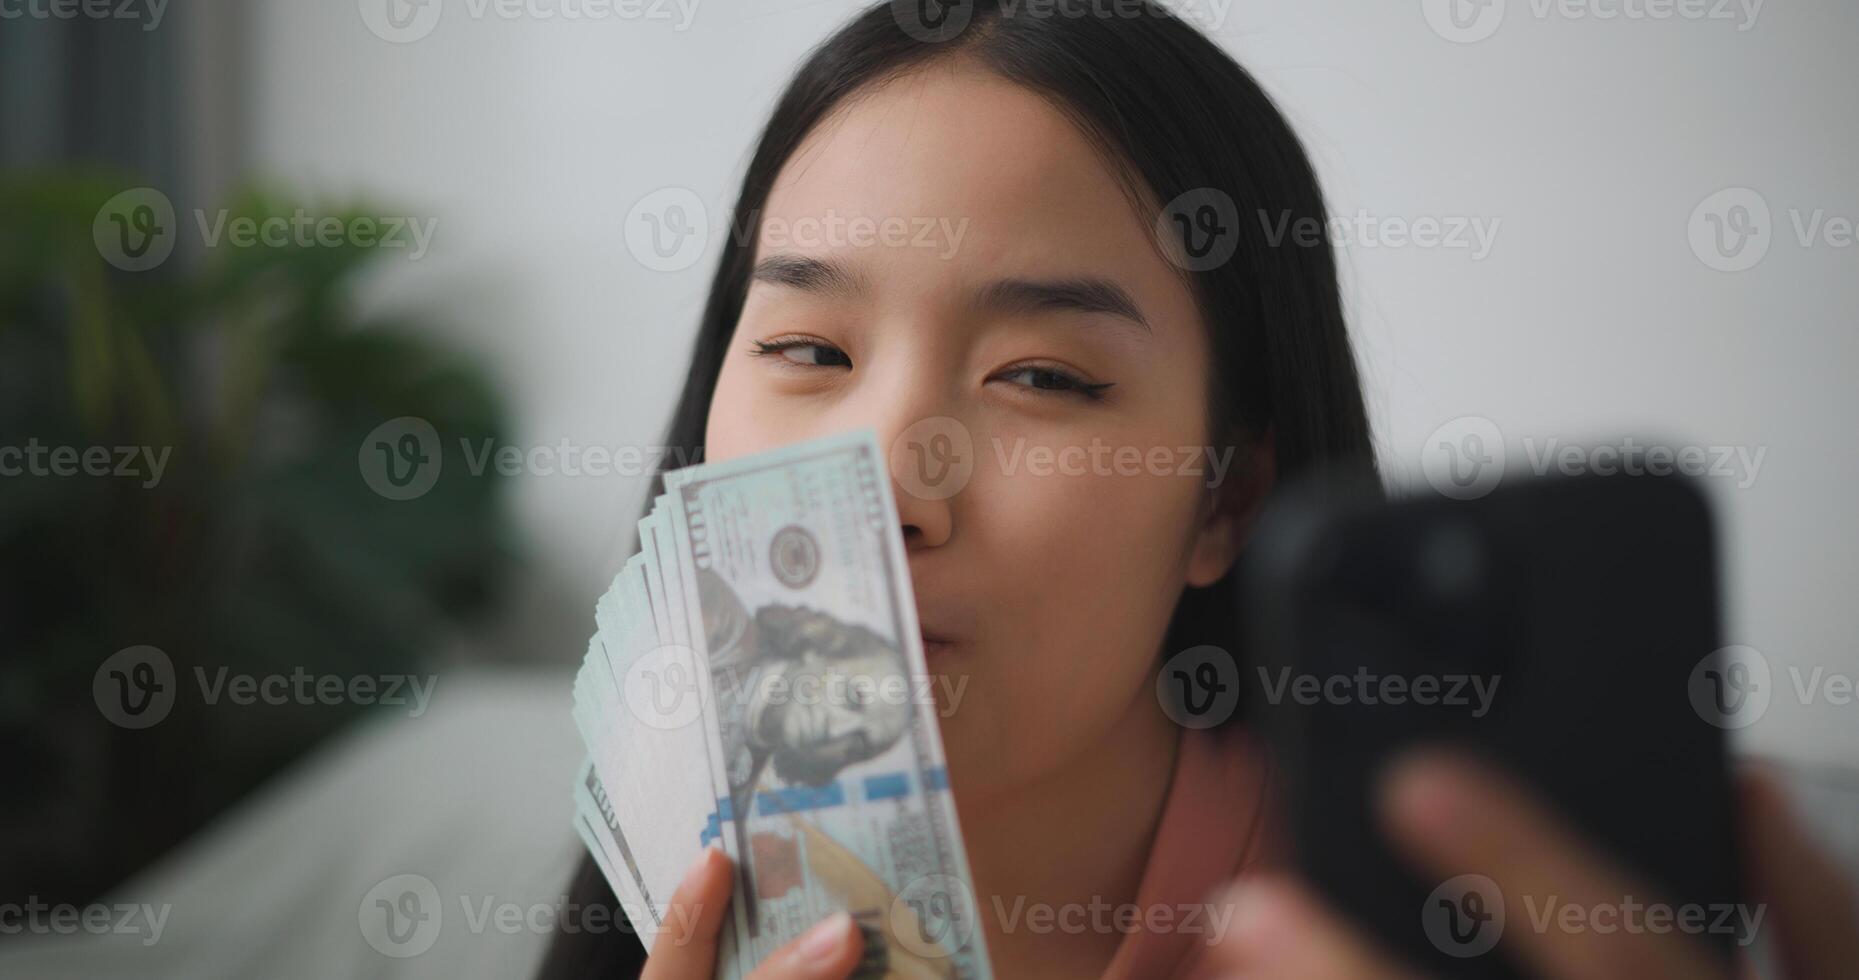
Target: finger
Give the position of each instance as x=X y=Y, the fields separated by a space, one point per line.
x=828 y=951
x=1460 y=817
x=686 y=947
x=1279 y=929
x=1810 y=904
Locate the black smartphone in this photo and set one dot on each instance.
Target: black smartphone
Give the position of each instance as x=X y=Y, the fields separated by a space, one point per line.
x=1558 y=627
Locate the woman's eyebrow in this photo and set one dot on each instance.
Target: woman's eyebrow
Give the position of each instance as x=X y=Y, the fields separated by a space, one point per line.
x=810 y=274
x=1079 y=294
x=1072 y=294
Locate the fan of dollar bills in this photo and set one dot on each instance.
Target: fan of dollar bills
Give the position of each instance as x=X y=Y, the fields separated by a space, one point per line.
x=751 y=682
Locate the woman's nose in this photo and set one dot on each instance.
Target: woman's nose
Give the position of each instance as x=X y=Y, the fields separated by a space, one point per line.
x=931 y=458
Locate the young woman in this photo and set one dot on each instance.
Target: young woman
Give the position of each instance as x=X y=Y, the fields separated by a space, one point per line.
x=1098 y=183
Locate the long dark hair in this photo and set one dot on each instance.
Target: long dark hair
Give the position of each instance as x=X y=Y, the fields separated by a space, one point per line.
x=1177 y=116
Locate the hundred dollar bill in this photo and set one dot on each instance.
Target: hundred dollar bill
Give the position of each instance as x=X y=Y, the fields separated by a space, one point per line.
x=599 y=828
x=830 y=783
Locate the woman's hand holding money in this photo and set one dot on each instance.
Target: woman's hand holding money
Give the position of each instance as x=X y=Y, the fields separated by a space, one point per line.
x=687 y=947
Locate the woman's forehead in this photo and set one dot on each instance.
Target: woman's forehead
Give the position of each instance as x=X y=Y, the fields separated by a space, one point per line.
x=955 y=142
x=948 y=180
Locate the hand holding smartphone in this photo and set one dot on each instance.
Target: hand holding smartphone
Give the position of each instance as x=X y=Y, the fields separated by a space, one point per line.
x=1563 y=629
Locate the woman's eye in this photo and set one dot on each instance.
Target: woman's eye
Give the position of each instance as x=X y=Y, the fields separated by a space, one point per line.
x=803 y=352
x=1053 y=379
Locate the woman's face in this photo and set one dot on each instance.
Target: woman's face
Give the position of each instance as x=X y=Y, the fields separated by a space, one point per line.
x=948 y=247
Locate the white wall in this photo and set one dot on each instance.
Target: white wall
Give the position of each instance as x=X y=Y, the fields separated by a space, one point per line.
x=1589 y=140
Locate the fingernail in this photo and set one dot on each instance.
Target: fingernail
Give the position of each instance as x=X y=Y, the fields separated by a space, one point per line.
x=825 y=938
x=695 y=873
x=1423 y=790
x=1263 y=919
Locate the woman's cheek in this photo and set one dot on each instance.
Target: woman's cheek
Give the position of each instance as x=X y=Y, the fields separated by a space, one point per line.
x=1082 y=572
x=748 y=416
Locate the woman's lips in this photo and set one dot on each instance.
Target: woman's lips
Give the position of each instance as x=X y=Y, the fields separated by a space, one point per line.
x=938 y=638
x=943 y=622
x=932 y=645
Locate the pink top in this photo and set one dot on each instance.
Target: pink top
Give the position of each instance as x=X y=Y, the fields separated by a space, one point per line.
x=1211 y=830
